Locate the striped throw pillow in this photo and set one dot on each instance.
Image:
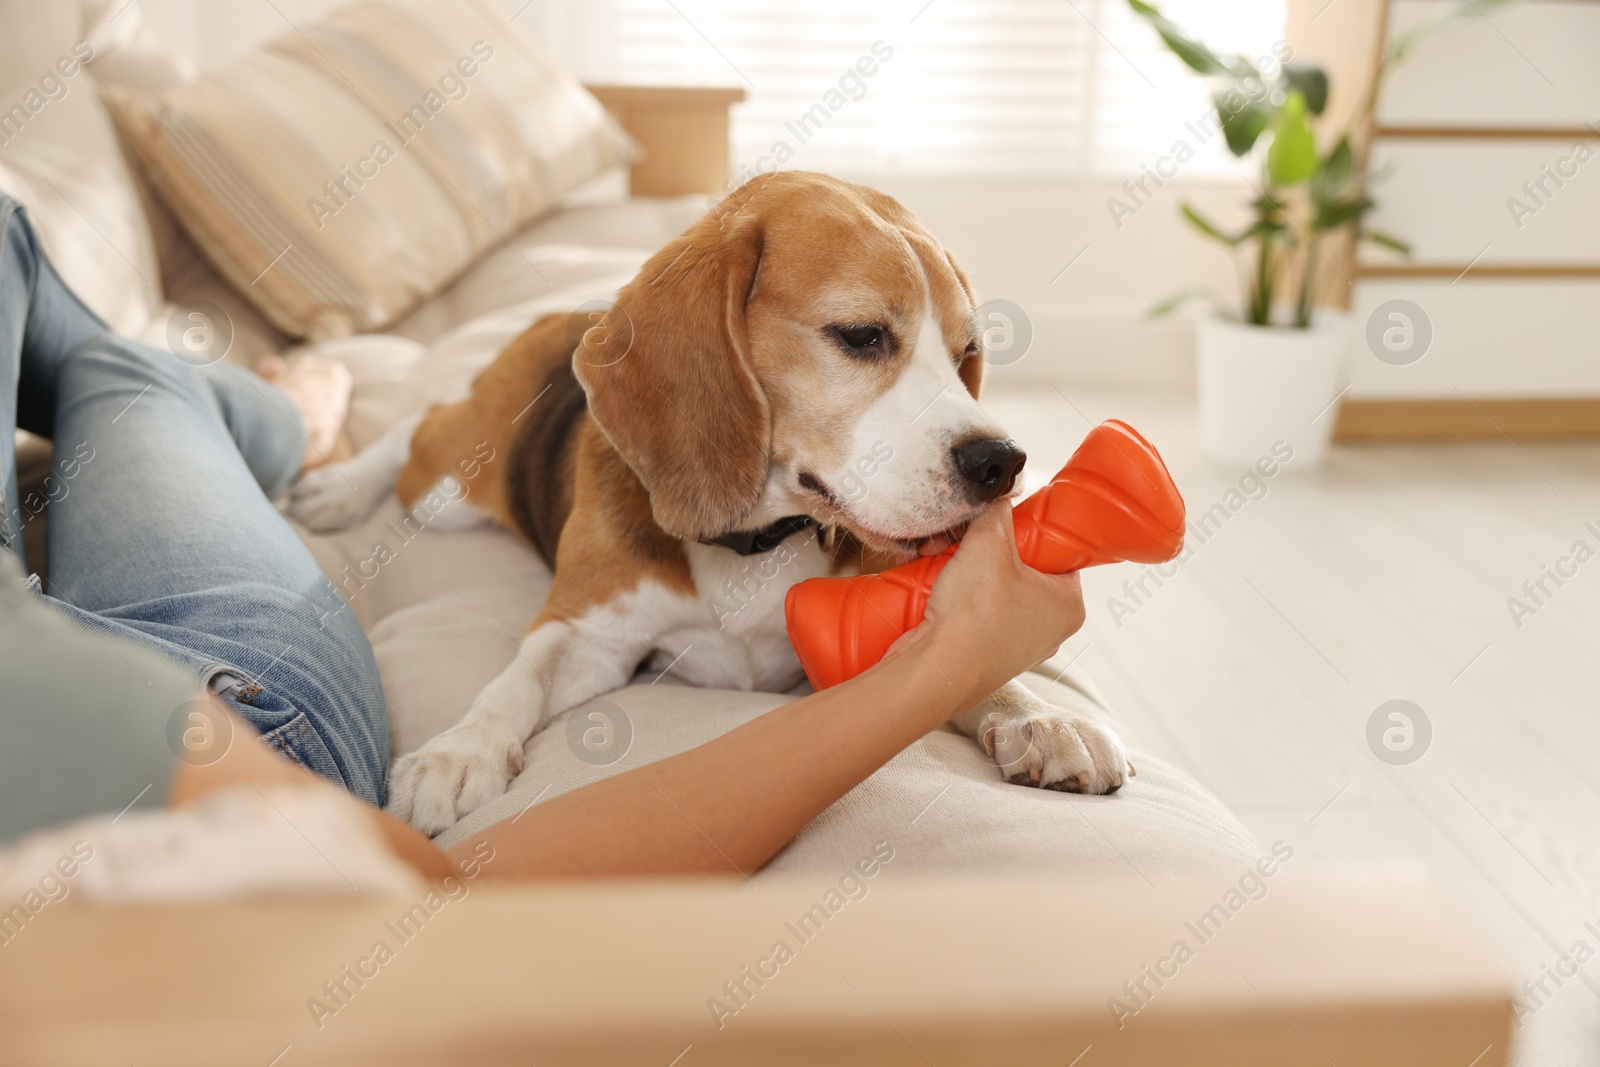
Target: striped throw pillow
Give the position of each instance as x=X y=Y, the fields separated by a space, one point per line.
x=347 y=171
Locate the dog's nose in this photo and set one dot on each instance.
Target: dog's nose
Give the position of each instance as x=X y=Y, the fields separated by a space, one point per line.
x=989 y=465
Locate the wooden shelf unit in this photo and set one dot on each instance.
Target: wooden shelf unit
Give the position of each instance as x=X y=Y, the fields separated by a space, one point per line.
x=1481 y=418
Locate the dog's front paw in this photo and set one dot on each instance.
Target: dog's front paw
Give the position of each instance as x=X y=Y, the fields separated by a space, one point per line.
x=328 y=498
x=450 y=777
x=1054 y=750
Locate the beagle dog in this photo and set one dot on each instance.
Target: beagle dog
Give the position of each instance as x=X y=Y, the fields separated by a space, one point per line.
x=788 y=389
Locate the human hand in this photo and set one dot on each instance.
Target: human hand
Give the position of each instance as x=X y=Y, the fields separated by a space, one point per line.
x=990 y=616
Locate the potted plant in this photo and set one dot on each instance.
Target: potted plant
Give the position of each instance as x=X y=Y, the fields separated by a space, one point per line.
x=1275 y=370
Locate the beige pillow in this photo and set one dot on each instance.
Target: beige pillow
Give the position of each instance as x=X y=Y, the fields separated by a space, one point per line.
x=339 y=176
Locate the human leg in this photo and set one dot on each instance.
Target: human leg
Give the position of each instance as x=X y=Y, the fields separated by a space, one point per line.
x=164 y=531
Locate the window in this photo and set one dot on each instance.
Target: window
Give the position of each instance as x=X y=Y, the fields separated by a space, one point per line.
x=928 y=87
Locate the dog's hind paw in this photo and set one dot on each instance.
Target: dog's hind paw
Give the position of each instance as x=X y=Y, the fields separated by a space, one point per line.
x=330 y=498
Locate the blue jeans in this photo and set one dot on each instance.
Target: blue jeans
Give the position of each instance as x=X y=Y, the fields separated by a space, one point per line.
x=161 y=529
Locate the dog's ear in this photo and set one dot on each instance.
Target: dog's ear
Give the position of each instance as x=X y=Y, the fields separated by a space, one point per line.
x=669 y=377
x=971 y=370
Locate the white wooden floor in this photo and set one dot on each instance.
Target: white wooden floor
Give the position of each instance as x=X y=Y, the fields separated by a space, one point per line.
x=1384 y=575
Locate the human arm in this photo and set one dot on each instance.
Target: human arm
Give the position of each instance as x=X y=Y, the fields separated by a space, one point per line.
x=83 y=720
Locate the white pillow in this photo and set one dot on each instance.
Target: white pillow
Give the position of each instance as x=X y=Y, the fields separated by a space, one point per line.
x=60 y=158
x=128 y=52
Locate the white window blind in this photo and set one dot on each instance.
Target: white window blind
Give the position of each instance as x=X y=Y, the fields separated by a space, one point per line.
x=967 y=86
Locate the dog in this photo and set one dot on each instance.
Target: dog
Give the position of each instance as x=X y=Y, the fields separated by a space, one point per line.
x=789 y=389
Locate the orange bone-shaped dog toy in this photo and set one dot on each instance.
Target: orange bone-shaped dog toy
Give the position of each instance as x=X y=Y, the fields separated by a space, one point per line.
x=1114 y=501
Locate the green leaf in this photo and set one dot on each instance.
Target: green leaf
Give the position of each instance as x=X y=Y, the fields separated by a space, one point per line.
x=1312 y=82
x=1241 y=69
x=1262 y=226
x=1331 y=215
x=1378 y=237
x=1205 y=226
x=1292 y=157
x=1243 y=119
x=1268 y=206
x=1194 y=53
x=1335 y=172
x=1172 y=303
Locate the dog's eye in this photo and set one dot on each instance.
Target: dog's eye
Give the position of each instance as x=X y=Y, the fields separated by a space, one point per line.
x=864 y=341
x=972 y=350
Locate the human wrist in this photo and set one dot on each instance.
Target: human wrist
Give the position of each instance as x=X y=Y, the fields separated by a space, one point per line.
x=930 y=669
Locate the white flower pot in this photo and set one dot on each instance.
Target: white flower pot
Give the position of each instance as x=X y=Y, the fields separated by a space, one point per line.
x=1262 y=385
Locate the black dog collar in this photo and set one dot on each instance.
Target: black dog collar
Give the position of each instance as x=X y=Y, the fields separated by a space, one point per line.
x=755 y=542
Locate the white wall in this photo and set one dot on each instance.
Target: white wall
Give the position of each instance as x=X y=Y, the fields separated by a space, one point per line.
x=1050 y=246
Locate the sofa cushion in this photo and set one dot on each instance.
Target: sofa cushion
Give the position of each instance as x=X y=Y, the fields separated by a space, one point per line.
x=337 y=177
x=941 y=803
x=59 y=157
